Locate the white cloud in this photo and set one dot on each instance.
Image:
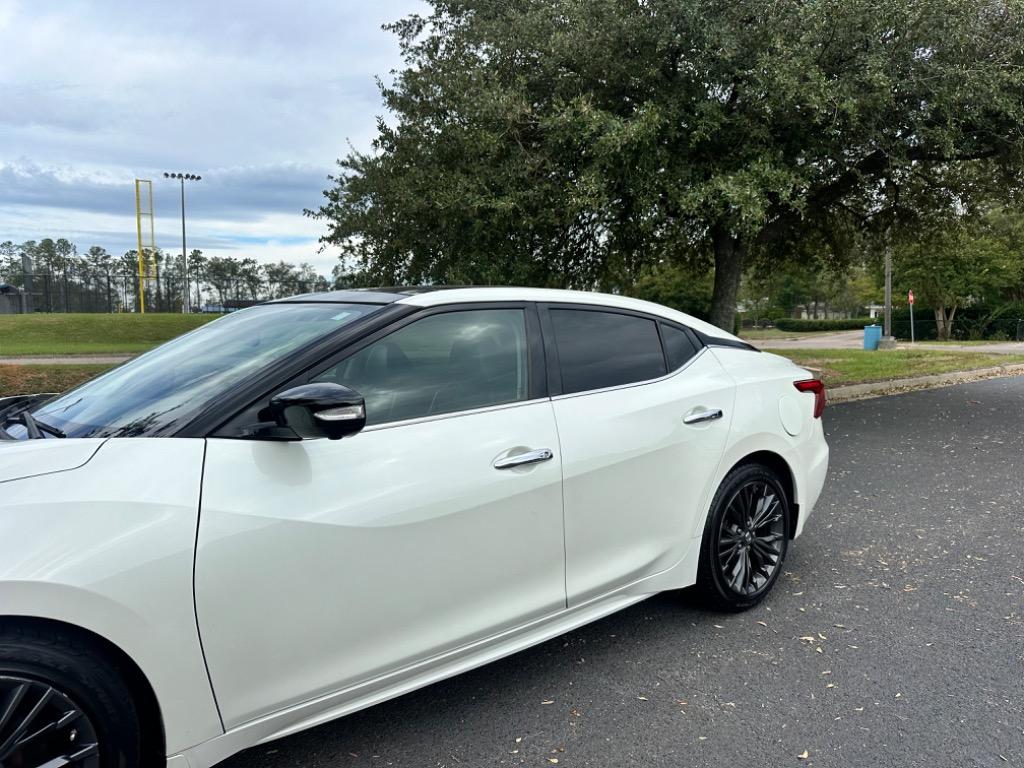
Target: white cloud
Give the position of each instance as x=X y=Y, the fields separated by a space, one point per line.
x=258 y=98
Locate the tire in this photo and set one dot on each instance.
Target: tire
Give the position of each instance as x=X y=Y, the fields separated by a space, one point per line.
x=52 y=677
x=744 y=542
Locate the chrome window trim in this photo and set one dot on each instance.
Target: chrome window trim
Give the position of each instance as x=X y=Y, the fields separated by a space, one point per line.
x=453 y=414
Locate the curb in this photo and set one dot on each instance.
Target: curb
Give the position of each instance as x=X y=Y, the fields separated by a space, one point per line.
x=897 y=386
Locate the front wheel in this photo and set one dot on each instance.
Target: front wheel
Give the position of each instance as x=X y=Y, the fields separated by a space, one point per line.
x=745 y=539
x=62 y=704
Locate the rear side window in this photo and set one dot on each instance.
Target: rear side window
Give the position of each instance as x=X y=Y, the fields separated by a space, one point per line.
x=605 y=349
x=679 y=346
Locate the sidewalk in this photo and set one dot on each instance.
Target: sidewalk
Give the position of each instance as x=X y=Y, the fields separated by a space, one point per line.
x=65 y=360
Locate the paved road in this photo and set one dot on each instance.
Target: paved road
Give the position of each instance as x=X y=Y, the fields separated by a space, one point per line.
x=838 y=340
x=855 y=340
x=895 y=637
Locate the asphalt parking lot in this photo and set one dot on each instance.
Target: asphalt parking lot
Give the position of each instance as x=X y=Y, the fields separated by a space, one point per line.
x=894 y=638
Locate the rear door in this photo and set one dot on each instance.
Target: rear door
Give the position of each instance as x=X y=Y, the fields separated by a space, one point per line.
x=643 y=416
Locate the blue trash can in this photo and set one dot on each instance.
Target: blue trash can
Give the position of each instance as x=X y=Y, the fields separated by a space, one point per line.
x=872 y=335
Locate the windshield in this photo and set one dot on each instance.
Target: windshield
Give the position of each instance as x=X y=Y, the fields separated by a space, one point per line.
x=161 y=390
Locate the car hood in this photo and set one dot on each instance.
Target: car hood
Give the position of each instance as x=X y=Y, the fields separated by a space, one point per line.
x=27 y=458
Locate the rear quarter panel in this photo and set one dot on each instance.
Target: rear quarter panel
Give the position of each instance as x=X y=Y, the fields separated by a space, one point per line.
x=764 y=388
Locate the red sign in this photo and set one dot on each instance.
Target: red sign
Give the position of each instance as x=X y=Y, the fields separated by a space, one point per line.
x=910 y=296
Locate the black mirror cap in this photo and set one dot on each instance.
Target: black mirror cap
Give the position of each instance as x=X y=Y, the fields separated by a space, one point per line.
x=334 y=411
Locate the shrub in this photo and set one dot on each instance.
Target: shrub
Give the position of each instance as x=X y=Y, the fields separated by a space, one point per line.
x=802 y=326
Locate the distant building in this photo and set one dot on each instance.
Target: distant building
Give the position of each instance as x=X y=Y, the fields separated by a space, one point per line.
x=13 y=300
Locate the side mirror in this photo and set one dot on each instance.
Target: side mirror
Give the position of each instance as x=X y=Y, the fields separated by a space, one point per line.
x=320 y=410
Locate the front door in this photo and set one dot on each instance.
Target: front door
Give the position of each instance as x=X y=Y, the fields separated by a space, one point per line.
x=325 y=564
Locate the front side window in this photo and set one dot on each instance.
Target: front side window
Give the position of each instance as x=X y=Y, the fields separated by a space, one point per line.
x=161 y=390
x=605 y=349
x=448 y=362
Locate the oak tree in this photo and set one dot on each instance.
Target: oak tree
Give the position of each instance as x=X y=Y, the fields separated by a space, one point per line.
x=579 y=142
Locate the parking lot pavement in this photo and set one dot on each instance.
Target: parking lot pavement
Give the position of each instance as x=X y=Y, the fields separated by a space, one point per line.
x=894 y=638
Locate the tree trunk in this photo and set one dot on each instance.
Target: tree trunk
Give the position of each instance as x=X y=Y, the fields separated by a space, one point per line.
x=729 y=253
x=944 y=322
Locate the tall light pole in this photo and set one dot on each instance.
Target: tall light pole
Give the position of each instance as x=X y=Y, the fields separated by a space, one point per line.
x=892 y=192
x=183 y=177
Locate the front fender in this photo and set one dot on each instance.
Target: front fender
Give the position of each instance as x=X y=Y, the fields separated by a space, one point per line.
x=109 y=547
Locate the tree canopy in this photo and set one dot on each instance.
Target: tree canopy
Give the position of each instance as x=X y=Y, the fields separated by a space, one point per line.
x=580 y=143
x=962 y=261
x=97 y=278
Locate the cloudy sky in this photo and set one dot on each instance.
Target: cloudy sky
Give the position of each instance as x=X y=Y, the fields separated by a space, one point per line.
x=260 y=98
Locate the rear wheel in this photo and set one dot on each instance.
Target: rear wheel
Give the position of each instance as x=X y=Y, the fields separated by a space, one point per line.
x=745 y=539
x=63 y=704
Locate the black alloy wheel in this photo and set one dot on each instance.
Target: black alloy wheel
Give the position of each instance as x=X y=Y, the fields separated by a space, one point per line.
x=65 y=701
x=745 y=539
x=750 y=538
x=43 y=727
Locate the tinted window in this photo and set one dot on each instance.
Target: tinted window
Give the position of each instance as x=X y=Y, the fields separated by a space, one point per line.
x=442 y=363
x=161 y=390
x=679 y=346
x=605 y=349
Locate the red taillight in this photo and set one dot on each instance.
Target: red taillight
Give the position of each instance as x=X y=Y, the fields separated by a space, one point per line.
x=817 y=387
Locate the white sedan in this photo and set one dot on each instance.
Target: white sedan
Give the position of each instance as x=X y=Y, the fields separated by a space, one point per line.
x=311 y=506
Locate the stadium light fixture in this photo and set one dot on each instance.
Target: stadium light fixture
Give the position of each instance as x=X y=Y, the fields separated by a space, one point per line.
x=183 y=177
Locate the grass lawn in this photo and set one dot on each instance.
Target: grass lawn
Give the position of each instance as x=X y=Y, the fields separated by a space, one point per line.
x=26 y=379
x=856 y=366
x=837 y=366
x=76 y=334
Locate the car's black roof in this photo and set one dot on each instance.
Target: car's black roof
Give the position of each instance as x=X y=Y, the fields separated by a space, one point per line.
x=385 y=295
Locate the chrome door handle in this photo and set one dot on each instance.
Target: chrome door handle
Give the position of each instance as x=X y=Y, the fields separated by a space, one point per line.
x=710 y=414
x=520 y=459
